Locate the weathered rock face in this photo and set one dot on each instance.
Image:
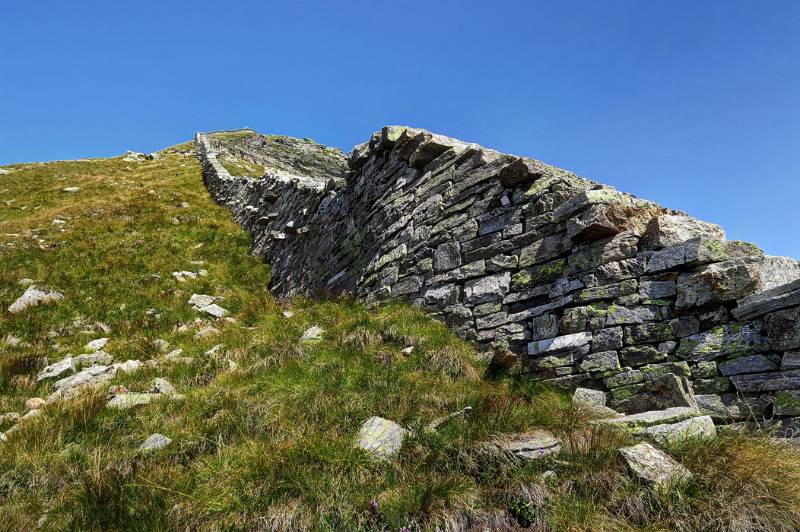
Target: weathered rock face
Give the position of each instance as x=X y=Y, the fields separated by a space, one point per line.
x=591 y=286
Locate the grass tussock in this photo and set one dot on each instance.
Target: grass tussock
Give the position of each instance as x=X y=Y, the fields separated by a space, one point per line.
x=264 y=437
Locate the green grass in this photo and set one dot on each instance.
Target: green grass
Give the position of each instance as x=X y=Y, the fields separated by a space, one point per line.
x=264 y=437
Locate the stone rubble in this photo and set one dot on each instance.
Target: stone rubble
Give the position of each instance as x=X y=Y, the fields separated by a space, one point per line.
x=653 y=465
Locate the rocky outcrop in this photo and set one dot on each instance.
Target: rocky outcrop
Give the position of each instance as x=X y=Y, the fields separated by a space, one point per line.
x=590 y=286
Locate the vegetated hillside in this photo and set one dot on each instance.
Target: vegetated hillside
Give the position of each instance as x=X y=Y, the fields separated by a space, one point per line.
x=262 y=429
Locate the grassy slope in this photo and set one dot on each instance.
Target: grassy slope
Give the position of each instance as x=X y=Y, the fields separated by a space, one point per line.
x=264 y=437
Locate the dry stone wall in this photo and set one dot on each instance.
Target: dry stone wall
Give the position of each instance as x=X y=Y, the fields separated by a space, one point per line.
x=590 y=286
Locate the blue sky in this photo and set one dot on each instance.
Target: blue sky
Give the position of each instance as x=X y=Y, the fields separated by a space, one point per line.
x=695 y=105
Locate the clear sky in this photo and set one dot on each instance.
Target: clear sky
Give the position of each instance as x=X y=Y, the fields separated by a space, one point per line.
x=694 y=104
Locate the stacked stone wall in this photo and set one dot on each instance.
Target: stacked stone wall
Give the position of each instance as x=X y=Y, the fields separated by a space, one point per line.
x=590 y=286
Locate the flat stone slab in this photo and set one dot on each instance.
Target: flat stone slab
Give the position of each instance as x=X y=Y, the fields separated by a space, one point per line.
x=214 y=310
x=34 y=296
x=531 y=445
x=57 y=369
x=559 y=343
x=767 y=382
x=126 y=401
x=154 y=442
x=648 y=419
x=653 y=465
x=381 y=438
x=696 y=427
x=784 y=296
x=89 y=376
x=201 y=300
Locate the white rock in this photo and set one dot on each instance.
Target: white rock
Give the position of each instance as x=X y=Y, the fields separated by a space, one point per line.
x=92 y=359
x=381 y=438
x=161 y=345
x=34 y=296
x=70 y=189
x=130 y=400
x=288 y=313
x=408 y=350
x=182 y=276
x=88 y=377
x=217 y=349
x=96 y=345
x=201 y=300
x=129 y=366
x=153 y=442
x=313 y=334
x=162 y=386
x=57 y=369
x=215 y=310
x=175 y=353
x=25 y=282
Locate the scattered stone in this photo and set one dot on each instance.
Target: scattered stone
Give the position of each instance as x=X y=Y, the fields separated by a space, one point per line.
x=70 y=189
x=532 y=445
x=25 y=282
x=57 y=369
x=161 y=345
x=653 y=465
x=205 y=303
x=96 y=345
x=34 y=403
x=88 y=377
x=183 y=276
x=214 y=351
x=130 y=400
x=91 y=359
x=176 y=353
x=312 y=334
x=206 y=332
x=162 y=386
x=214 y=310
x=34 y=296
x=381 y=438
x=288 y=314
x=408 y=350
x=154 y=442
x=129 y=366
